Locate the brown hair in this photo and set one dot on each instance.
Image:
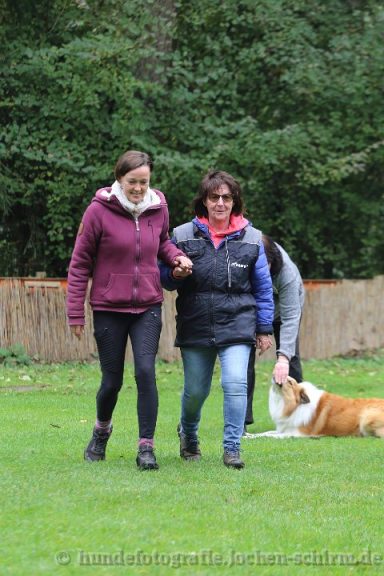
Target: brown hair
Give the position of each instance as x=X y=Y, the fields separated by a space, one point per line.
x=212 y=182
x=273 y=254
x=131 y=160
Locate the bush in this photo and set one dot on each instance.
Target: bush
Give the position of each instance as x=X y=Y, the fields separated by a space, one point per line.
x=14 y=356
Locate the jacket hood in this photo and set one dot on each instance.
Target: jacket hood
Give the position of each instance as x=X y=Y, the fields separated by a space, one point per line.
x=106 y=197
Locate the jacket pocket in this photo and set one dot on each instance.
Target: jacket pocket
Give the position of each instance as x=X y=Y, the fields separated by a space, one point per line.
x=125 y=289
x=119 y=289
x=195 y=253
x=148 y=289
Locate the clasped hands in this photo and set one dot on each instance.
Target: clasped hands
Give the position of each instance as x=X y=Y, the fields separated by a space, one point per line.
x=182 y=267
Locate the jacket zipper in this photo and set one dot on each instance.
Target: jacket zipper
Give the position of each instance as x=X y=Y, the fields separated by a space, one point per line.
x=137 y=262
x=229 y=274
x=213 y=339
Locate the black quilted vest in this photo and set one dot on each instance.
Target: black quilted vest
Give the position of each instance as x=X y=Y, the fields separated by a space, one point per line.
x=215 y=306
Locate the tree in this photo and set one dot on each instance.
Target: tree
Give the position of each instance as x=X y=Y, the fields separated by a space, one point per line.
x=286 y=95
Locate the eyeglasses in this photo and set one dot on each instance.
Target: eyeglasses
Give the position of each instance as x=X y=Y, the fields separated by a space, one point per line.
x=226 y=198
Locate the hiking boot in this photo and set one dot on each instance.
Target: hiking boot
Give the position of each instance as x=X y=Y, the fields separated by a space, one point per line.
x=146 y=459
x=189 y=448
x=233 y=460
x=96 y=448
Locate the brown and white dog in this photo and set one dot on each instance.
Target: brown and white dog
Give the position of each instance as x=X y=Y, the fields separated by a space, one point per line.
x=304 y=410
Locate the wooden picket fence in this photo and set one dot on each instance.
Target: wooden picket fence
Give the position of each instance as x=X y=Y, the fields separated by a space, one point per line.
x=340 y=317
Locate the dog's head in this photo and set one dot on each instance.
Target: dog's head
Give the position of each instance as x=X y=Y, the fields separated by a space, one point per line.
x=291 y=391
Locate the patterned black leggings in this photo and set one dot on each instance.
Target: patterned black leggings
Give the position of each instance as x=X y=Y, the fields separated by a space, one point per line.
x=111 y=331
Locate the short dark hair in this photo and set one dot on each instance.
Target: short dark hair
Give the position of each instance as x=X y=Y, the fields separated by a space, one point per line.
x=212 y=182
x=131 y=160
x=273 y=254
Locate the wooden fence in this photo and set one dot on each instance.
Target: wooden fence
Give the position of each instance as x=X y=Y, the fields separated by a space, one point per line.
x=339 y=317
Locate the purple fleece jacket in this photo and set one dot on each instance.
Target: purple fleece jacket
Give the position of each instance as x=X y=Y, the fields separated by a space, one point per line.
x=121 y=256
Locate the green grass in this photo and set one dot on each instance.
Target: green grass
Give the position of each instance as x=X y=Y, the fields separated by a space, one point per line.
x=300 y=506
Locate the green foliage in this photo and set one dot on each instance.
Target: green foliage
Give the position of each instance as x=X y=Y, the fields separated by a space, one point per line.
x=286 y=95
x=70 y=108
x=291 y=87
x=14 y=355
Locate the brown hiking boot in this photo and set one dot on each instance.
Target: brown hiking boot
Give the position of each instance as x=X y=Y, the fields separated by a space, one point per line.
x=233 y=460
x=189 y=447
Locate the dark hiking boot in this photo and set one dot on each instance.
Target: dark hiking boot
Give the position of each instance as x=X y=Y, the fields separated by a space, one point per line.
x=233 y=460
x=96 y=448
x=189 y=448
x=146 y=459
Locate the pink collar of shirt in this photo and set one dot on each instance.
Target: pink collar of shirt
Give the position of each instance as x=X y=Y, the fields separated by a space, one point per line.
x=236 y=223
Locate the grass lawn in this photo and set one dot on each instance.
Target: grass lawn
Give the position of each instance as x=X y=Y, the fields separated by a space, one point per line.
x=300 y=506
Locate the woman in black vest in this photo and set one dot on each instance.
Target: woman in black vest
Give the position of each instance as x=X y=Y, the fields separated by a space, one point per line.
x=224 y=307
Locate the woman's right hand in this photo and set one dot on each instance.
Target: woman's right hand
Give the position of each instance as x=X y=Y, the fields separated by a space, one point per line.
x=183 y=263
x=182 y=267
x=179 y=273
x=281 y=370
x=77 y=330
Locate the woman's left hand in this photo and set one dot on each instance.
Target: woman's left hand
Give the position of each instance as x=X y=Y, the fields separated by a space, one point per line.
x=263 y=342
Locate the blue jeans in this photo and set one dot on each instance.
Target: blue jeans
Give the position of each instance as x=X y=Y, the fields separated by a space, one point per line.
x=198 y=369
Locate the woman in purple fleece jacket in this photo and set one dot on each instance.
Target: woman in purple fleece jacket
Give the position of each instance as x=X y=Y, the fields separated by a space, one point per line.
x=124 y=231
